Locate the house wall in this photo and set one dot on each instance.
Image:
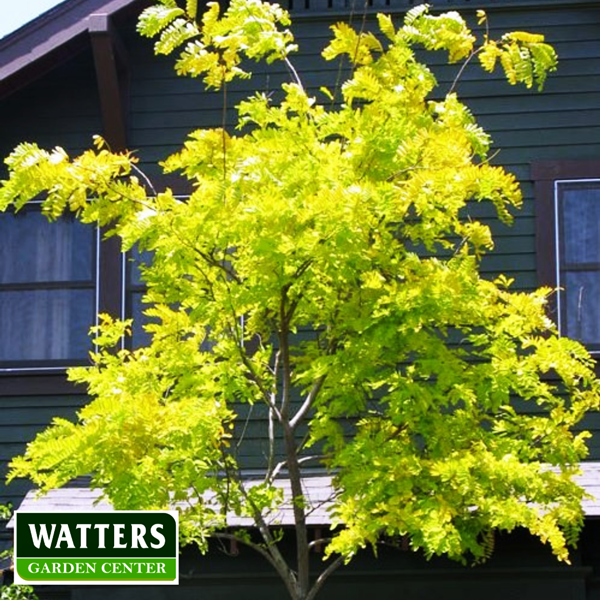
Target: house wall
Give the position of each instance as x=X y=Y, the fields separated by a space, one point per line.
x=21 y=419
x=520 y=568
x=561 y=123
x=59 y=109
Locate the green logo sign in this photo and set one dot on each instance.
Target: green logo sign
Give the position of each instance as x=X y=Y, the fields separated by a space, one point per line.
x=117 y=547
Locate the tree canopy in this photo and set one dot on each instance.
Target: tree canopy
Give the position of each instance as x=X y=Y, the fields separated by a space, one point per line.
x=327 y=269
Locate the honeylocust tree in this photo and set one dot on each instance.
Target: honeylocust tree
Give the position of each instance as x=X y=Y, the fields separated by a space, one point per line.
x=323 y=273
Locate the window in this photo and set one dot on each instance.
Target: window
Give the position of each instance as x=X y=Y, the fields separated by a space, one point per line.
x=54 y=280
x=48 y=290
x=578 y=259
x=134 y=286
x=568 y=244
x=135 y=289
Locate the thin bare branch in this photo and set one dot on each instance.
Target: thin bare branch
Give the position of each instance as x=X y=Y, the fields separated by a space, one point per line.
x=267 y=394
x=463 y=67
x=244 y=429
x=145 y=177
x=319 y=542
x=283 y=463
x=292 y=70
x=314 y=590
x=308 y=402
x=271 y=459
x=269 y=476
x=284 y=348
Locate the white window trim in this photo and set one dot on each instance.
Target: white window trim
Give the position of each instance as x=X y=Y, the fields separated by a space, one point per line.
x=63 y=368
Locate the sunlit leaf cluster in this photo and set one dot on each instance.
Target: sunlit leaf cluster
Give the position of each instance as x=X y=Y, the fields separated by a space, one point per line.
x=216 y=47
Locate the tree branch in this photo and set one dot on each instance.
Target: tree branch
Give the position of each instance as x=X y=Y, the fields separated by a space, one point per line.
x=270 y=466
x=308 y=402
x=318 y=542
x=145 y=177
x=292 y=70
x=213 y=262
x=271 y=459
x=269 y=396
x=298 y=499
x=284 y=348
x=314 y=590
x=266 y=554
x=302 y=460
x=463 y=67
x=278 y=562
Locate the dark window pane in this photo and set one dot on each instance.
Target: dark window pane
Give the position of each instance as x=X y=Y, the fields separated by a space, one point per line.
x=33 y=250
x=136 y=289
x=579 y=211
x=137 y=259
x=139 y=337
x=579 y=259
x=46 y=325
x=582 y=306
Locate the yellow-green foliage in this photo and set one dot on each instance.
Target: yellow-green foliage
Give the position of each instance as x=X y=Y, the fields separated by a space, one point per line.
x=351 y=220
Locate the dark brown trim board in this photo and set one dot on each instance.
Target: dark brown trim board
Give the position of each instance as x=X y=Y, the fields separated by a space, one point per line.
x=544 y=174
x=112 y=71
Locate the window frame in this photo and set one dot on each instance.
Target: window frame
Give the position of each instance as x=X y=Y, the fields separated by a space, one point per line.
x=58 y=365
x=111 y=298
x=130 y=287
x=43 y=379
x=546 y=177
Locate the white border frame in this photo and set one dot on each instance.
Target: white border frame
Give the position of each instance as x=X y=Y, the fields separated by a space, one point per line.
x=173 y=513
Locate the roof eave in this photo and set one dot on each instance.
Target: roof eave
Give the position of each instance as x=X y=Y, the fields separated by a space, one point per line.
x=50 y=39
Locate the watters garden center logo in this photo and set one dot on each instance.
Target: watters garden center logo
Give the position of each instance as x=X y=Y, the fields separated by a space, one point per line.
x=117 y=547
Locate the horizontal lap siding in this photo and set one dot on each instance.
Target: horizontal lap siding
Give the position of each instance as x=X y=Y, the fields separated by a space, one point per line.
x=60 y=109
x=164 y=107
x=562 y=122
x=21 y=418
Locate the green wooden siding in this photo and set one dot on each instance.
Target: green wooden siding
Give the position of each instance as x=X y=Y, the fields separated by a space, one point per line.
x=60 y=109
x=561 y=123
x=21 y=418
x=520 y=568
